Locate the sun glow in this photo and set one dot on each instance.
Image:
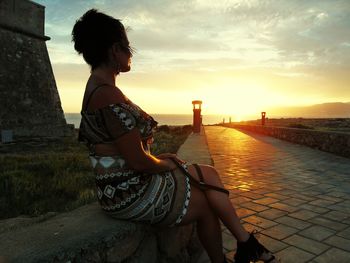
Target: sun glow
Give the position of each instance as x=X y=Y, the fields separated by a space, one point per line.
x=237 y=100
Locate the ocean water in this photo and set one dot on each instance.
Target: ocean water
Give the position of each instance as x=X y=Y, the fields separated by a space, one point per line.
x=162 y=119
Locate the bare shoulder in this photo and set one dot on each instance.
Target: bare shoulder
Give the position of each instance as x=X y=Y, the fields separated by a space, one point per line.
x=104 y=96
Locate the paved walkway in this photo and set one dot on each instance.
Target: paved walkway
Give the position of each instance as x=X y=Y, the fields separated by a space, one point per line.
x=298 y=198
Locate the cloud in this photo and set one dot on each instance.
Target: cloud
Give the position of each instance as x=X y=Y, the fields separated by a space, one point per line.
x=297 y=47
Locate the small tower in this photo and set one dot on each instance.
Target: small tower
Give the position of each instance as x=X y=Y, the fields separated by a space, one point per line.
x=197 y=117
x=30 y=105
x=263 y=115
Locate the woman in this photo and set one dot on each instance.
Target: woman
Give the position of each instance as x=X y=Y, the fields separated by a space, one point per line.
x=131 y=183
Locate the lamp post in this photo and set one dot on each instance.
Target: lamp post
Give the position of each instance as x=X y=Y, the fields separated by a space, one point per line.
x=197 y=117
x=263 y=115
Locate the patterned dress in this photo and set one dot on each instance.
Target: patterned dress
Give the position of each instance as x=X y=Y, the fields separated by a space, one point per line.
x=159 y=198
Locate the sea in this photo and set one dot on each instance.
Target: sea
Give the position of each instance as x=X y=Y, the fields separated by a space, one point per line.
x=162 y=119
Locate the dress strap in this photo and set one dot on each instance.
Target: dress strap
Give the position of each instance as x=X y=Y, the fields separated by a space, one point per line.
x=199 y=184
x=92 y=93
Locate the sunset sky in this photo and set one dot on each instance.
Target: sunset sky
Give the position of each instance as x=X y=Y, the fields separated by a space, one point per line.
x=239 y=57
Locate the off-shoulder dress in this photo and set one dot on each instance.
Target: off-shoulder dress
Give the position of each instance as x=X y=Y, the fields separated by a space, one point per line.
x=158 y=198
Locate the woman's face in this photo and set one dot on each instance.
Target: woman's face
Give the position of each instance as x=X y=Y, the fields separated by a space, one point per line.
x=124 y=56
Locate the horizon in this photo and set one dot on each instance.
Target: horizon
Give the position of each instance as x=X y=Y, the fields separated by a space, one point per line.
x=279 y=54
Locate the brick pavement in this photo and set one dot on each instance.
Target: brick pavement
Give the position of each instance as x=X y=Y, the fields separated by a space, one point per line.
x=297 y=198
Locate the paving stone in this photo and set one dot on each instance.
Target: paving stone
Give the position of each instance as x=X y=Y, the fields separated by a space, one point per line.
x=259 y=221
x=262 y=191
x=290 y=221
x=258 y=169
x=304 y=197
x=270 y=243
x=318 y=233
x=330 y=198
x=229 y=242
x=252 y=195
x=266 y=201
x=314 y=208
x=294 y=255
x=272 y=213
x=339 y=242
x=239 y=200
x=337 y=194
x=333 y=255
x=284 y=207
x=303 y=214
x=277 y=196
x=255 y=207
x=327 y=223
x=251 y=228
x=336 y=215
x=341 y=207
x=307 y=244
x=244 y=212
x=280 y=231
x=322 y=202
x=294 y=201
x=344 y=233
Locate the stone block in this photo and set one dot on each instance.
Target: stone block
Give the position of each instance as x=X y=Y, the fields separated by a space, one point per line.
x=338 y=242
x=292 y=255
x=255 y=207
x=280 y=231
x=289 y=221
x=307 y=244
x=271 y=243
x=333 y=255
x=229 y=242
x=318 y=233
x=147 y=252
x=259 y=221
x=327 y=223
x=272 y=213
x=266 y=201
x=166 y=237
x=303 y=214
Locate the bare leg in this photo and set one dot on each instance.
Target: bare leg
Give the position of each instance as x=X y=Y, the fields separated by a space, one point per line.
x=208 y=226
x=221 y=205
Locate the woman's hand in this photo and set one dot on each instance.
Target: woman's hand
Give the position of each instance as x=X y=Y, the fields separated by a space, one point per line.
x=170 y=155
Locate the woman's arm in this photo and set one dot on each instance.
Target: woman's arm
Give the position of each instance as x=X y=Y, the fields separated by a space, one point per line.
x=130 y=147
x=170 y=155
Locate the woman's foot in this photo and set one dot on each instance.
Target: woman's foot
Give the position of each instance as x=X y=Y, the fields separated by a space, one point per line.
x=252 y=250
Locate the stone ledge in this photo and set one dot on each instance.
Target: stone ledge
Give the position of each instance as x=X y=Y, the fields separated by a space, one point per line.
x=88 y=235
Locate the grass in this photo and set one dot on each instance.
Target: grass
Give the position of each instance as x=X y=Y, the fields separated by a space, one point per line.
x=59 y=177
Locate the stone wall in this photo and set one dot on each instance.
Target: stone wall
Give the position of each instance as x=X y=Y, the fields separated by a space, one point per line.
x=29 y=102
x=88 y=235
x=333 y=142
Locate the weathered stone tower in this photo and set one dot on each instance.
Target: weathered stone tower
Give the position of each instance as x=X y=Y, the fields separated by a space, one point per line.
x=30 y=106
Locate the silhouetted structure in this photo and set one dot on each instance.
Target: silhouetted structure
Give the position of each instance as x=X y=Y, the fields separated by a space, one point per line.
x=29 y=102
x=263 y=115
x=197 y=117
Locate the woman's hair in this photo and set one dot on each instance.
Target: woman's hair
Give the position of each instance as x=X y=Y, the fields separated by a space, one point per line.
x=94 y=33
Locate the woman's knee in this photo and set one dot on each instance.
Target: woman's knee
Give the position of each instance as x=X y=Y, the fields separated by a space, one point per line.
x=209 y=173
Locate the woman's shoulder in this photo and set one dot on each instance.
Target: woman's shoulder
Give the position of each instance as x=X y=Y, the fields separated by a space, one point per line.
x=103 y=96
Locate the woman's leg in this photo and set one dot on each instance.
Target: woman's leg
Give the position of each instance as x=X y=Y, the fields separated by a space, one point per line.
x=221 y=205
x=208 y=226
x=220 y=202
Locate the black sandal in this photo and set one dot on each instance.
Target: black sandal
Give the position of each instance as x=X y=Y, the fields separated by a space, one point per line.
x=251 y=250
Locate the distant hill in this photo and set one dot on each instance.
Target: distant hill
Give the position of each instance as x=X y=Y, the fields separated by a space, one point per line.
x=324 y=110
